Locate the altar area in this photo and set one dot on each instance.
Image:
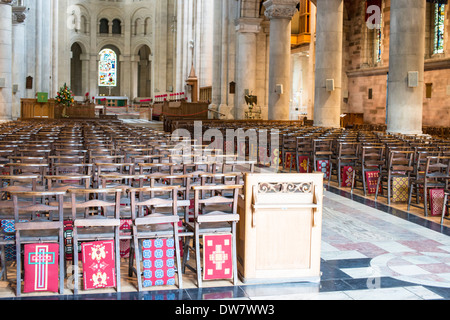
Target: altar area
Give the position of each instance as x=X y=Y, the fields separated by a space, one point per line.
x=50 y=109
x=111 y=101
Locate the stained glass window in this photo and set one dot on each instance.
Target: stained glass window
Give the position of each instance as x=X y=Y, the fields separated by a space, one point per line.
x=439 y=27
x=107 y=71
x=378 y=43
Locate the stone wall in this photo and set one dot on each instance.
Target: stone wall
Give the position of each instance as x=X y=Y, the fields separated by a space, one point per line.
x=363 y=74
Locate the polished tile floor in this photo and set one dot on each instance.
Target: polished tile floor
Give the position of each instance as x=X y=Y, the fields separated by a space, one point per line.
x=370 y=251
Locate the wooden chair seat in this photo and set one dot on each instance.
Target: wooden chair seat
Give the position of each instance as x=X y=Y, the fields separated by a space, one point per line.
x=101 y=233
x=40 y=236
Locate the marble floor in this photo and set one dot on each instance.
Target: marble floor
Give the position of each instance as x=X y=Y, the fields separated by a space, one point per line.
x=370 y=251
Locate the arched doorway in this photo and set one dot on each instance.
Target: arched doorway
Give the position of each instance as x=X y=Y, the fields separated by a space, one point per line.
x=109 y=71
x=144 y=72
x=76 y=70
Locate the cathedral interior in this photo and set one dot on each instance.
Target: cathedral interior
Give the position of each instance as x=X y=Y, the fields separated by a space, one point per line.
x=349 y=189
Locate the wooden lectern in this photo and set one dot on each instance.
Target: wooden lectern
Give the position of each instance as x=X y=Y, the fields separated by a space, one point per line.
x=280 y=228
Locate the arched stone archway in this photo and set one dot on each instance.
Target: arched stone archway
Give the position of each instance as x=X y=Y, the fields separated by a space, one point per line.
x=76 y=70
x=144 y=74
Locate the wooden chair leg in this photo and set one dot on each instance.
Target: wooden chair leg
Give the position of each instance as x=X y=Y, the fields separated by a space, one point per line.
x=353 y=180
x=389 y=190
x=131 y=260
x=410 y=195
x=378 y=187
x=76 y=273
x=234 y=248
x=363 y=177
x=198 y=259
x=62 y=262
x=3 y=261
x=425 y=200
x=137 y=259
x=331 y=170
x=443 y=208
x=417 y=194
x=117 y=249
x=177 y=253
x=187 y=240
x=18 y=266
x=339 y=177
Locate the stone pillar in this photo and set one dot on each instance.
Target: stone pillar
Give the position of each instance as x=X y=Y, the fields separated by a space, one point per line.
x=217 y=59
x=125 y=76
x=406 y=54
x=5 y=60
x=329 y=37
x=280 y=13
x=134 y=76
x=228 y=65
x=247 y=29
x=19 y=72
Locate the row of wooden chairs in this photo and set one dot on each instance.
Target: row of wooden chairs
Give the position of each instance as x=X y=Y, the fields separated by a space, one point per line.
x=74 y=185
x=214 y=212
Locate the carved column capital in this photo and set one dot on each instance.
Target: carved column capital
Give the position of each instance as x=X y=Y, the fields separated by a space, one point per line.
x=18 y=14
x=280 y=9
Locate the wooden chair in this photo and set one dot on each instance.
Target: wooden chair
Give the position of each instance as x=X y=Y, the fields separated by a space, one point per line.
x=288 y=145
x=371 y=159
x=10 y=184
x=322 y=150
x=72 y=169
x=65 y=183
x=154 y=226
x=163 y=168
x=212 y=215
x=400 y=164
x=101 y=168
x=304 y=148
x=41 y=229
x=347 y=155
x=417 y=177
x=436 y=175
x=40 y=169
x=94 y=226
x=123 y=182
x=6 y=239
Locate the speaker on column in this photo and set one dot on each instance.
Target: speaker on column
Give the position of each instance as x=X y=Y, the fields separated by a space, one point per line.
x=413 y=79
x=330 y=85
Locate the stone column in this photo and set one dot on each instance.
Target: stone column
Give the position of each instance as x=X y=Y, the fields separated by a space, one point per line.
x=5 y=60
x=125 y=76
x=19 y=72
x=247 y=29
x=280 y=13
x=329 y=37
x=406 y=54
x=217 y=59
